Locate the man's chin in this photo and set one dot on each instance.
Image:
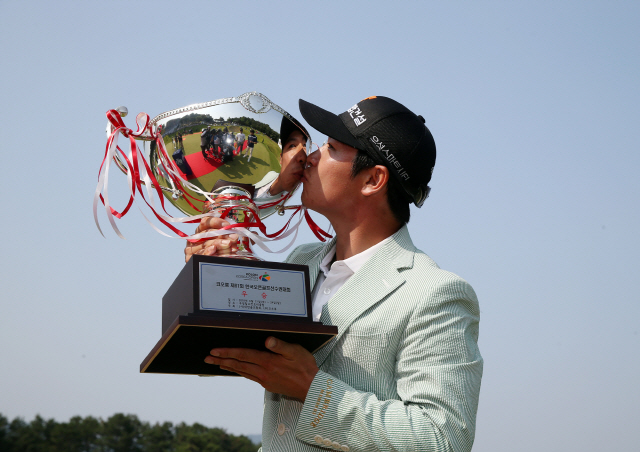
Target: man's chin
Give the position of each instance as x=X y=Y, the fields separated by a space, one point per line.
x=307 y=201
x=303 y=196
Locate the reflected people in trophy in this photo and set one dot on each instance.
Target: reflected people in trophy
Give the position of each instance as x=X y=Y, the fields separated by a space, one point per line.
x=240 y=137
x=251 y=141
x=205 y=140
x=178 y=157
x=293 y=158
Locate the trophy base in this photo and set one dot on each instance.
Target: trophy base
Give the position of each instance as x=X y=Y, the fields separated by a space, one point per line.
x=188 y=341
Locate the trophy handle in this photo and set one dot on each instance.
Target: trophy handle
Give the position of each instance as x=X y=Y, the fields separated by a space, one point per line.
x=123 y=112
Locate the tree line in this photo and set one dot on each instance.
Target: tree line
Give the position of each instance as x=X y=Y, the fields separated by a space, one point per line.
x=119 y=433
x=173 y=125
x=257 y=125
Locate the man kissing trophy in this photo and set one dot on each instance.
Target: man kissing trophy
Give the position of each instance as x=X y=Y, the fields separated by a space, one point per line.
x=232 y=299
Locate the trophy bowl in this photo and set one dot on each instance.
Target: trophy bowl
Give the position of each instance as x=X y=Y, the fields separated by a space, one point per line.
x=238 y=140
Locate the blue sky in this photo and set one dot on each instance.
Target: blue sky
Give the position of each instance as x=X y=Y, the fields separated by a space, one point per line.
x=534 y=110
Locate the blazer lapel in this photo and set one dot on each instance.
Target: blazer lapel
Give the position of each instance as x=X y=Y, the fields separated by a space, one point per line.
x=314 y=264
x=312 y=259
x=377 y=278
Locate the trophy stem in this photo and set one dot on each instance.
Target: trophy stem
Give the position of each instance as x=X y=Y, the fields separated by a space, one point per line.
x=244 y=250
x=235 y=205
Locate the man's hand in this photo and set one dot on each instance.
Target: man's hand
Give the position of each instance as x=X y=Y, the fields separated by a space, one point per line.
x=214 y=246
x=287 y=369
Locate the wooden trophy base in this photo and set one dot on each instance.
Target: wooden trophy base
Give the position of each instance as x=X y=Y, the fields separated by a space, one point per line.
x=188 y=341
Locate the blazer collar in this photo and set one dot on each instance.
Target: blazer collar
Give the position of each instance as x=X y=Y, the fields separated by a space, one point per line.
x=377 y=278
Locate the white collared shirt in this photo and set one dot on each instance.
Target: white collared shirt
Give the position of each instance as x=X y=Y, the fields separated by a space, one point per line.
x=332 y=279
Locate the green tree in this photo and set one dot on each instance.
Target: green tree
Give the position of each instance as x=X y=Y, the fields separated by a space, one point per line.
x=119 y=433
x=159 y=438
x=32 y=437
x=195 y=438
x=77 y=435
x=122 y=433
x=5 y=440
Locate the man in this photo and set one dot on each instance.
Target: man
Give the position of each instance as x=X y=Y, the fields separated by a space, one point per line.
x=293 y=158
x=181 y=161
x=204 y=141
x=239 y=141
x=404 y=371
x=252 y=139
x=227 y=145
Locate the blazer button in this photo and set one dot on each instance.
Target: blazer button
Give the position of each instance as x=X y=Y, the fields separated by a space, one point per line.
x=344 y=448
x=327 y=442
x=335 y=445
x=281 y=429
x=318 y=439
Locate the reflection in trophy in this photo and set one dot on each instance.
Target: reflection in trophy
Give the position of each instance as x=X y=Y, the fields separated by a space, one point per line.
x=271 y=191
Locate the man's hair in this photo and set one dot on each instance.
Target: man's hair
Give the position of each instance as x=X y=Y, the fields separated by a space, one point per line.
x=398 y=202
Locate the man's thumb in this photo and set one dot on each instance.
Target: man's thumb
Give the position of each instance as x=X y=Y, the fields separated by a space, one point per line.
x=275 y=345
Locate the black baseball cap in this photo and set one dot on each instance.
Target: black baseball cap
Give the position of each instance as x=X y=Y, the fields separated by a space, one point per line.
x=288 y=126
x=390 y=133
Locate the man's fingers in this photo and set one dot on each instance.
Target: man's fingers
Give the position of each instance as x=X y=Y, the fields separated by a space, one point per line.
x=248 y=369
x=218 y=245
x=239 y=354
x=220 y=242
x=239 y=367
x=223 y=246
x=211 y=223
x=208 y=242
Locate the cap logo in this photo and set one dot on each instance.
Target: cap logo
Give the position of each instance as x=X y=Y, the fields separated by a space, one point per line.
x=390 y=157
x=356 y=115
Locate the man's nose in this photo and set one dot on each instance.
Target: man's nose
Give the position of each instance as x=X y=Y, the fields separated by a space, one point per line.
x=312 y=159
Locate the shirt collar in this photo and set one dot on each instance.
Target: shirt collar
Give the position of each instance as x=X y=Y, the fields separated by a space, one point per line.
x=353 y=263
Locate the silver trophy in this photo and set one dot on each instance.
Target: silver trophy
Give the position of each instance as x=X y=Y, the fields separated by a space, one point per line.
x=240 y=159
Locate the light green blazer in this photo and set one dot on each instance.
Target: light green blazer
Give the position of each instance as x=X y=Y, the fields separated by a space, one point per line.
x=404 y=371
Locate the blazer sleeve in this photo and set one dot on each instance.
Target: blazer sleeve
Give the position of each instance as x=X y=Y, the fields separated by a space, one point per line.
x=437 y=375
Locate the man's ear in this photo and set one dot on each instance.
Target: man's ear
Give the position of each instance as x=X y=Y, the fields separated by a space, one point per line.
x=375 y=180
